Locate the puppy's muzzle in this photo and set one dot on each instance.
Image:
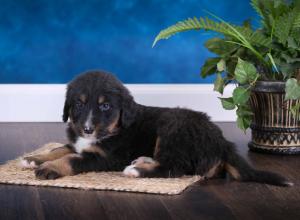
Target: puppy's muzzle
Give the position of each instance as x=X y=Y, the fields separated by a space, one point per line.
x=88 y=130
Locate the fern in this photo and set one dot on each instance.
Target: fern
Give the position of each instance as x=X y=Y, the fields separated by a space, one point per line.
x=283 y=26
x=278 y=17
x=254 y=37
x=294 y=41
x=297 y=20
x=270 y=10
x=258 y=7
x=263 y=8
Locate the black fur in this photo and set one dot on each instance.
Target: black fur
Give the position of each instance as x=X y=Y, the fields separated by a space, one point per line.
x=189 y=142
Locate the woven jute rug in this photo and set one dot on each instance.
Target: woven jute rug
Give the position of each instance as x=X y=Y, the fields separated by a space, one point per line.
x=13 y=173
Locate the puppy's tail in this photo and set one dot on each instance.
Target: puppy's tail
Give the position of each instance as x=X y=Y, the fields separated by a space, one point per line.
x=240 y=170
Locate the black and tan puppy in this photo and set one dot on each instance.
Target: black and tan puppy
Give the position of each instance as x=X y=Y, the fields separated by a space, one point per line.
x=109 y=131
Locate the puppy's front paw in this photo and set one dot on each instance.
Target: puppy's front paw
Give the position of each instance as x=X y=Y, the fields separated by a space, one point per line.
x=131 y=171
x=46 y=171
x=29 y=162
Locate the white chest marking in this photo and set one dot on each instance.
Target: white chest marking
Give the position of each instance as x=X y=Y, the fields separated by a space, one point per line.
x=83 y=143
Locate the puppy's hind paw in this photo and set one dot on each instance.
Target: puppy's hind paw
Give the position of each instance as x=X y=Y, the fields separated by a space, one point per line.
x=142 y=160
x=131 y=171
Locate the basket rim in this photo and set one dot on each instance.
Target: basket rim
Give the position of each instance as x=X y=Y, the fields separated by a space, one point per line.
x=269 y=86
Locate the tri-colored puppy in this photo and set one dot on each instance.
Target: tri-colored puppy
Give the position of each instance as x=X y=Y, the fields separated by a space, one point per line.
x=109 y=131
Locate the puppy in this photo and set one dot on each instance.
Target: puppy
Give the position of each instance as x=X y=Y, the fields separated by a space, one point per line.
x=109 y=131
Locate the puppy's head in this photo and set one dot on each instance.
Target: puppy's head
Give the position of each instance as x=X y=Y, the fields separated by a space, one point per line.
x=98 y=105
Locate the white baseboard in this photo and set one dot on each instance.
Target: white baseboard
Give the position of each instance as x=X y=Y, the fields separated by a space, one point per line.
x=44 y=102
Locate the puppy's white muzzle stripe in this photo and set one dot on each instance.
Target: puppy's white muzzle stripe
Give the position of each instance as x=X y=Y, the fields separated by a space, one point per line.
x=88 y=122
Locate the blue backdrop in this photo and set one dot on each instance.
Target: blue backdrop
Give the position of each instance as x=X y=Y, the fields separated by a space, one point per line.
x=43 y=41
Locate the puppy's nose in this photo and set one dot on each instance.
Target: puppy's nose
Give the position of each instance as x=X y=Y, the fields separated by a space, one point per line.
x=88 y=130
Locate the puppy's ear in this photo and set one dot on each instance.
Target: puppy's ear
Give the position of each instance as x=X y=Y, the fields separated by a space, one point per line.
x=66 y=111
x=128 y=112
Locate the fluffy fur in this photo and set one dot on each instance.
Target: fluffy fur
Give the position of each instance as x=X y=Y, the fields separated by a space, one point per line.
x=168 y=142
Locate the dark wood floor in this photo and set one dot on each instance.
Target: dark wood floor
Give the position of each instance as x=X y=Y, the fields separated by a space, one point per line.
x=214 y=199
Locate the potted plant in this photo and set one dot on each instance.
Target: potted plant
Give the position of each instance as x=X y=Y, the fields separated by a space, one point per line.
x=264 y=63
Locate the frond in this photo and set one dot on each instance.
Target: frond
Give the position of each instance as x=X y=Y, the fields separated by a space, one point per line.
x=191 y=24
x=255 y=38
x=270 y=10
x=261 y=10
x=283 y=26
x=297 y=21
x=257 y=7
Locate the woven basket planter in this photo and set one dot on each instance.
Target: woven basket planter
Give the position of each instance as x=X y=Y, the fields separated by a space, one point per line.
x=274 y=128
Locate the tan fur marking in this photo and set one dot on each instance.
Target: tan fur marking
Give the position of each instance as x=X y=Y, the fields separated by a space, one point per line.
x=157 y=147
x=82 y=98
x=62 y=165
x=52 y=155
x=232 y=171
x=97 y=128
x=96 y=149
x=101 y=99
x=214 y=170
x=147 y=166
x=114 y=124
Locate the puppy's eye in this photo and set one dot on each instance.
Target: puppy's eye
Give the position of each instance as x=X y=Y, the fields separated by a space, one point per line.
x=79 y=104
x=104 y=107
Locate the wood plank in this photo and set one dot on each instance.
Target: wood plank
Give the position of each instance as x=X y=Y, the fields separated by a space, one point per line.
x=196 y=203
x=70 y=204
x=19 y=202
x=123 y=205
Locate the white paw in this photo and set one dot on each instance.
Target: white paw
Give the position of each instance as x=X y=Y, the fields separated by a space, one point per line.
x=143 y=160
x=130 y=171
x=27 y=165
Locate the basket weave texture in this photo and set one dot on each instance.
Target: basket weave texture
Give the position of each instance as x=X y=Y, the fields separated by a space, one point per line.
x=12 y=173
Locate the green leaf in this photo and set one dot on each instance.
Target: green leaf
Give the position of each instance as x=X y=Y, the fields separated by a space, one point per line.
x=219 y=46
x=288 y=69
x=243 y=123
x=244 y=111
x=221 y=65
x=292 y=89
x=245 y=72
x=230 y=66
x=241 y=95
x=219 y=84
x=240 y=72
x=277 y=3
x=209 y=67
x=295 y=111
x=292 y=43
x=227 y=103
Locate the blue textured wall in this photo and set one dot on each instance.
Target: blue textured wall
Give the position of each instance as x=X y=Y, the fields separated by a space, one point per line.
x=50 y=41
